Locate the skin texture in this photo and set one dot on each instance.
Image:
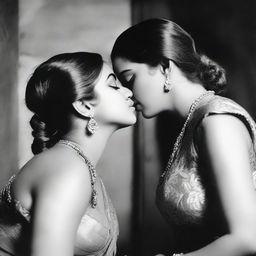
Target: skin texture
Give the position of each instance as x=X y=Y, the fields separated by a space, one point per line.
x=146 y=83
x=60 y=175
x=115 y=106
x=218 y=138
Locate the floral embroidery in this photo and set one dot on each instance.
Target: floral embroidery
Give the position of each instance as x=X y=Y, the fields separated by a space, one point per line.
x=185 y=191
x=196 y=195
x=195 y=200
x=22 y=210
x=181 y=197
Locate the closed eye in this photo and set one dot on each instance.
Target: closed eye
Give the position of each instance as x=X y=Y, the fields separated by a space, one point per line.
x=113 y=82
x=116 y=87
x=130 y=83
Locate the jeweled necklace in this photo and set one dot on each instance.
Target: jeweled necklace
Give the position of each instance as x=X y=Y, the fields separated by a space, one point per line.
x=91 y=168
x=180 y=136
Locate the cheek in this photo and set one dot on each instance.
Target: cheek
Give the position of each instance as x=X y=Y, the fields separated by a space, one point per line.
x=149 y=94
x=141 y=89
x=148 y=90
x=110 y=106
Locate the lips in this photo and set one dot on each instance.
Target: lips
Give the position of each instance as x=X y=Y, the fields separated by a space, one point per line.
x=130 y=103
x=137 y=105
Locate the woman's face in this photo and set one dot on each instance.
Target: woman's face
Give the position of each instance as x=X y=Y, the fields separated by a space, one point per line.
x=146 y=82
x=115 y=106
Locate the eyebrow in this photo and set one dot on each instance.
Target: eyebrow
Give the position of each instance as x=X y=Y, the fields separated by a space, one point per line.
x=111 y=74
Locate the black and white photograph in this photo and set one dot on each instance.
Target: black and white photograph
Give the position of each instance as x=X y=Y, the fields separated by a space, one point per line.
x=127 y=128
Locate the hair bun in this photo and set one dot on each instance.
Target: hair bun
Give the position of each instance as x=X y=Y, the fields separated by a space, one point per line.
x=42 y=135
x=212 y=75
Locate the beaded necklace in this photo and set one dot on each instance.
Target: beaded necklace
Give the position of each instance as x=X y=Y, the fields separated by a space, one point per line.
x=91 y=168
x=180 y=136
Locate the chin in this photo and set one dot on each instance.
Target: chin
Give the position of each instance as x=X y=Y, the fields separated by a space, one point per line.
x=132 y=118
x=148 y=115
x=132 y=121
x=127 y=123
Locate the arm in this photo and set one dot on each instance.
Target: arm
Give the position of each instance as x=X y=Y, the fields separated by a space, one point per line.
x=224 y=143
x=60 y=201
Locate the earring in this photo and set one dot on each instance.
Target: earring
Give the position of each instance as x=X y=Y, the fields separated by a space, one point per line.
x=167 y=85
x=92 y=125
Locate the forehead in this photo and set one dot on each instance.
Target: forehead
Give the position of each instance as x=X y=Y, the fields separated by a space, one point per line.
x=124 y=66
x=121 y=64
x=105 y=72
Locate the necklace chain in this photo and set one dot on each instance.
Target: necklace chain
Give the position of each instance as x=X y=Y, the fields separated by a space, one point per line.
x=181 y=134
x=91 y=168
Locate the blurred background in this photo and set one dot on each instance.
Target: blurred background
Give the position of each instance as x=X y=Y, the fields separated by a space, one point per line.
x=34 y=30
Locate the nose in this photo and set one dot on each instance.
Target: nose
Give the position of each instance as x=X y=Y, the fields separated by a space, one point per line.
x=127 y=93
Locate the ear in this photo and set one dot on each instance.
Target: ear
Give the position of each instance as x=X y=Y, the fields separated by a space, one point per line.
x=83 y=108
x=165 y=67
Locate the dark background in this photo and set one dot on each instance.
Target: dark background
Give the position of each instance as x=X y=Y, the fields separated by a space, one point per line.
x=225 y=31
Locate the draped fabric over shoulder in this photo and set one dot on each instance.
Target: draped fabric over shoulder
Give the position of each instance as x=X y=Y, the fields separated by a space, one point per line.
x=183 y=197
x=96 y=235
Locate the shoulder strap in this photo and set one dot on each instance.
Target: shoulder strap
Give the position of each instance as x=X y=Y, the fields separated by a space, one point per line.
x=91 y=168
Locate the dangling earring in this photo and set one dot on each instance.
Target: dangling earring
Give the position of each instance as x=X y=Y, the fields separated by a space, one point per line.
x=92 y=125
x=167 y=85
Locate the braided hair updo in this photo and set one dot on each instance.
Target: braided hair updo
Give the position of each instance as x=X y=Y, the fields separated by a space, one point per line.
x=51 y=90
x=156 y=41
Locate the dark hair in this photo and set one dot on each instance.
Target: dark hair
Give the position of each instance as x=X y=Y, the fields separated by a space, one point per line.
x=51 y=90
x=156 y=41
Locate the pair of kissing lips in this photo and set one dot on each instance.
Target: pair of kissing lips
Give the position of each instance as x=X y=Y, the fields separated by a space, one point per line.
x=136 y=104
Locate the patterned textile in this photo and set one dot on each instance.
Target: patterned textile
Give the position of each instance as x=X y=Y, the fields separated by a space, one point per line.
x=184 y=195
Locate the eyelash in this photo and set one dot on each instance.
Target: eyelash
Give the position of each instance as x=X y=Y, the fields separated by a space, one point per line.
x=129 y=83
x=115 y=87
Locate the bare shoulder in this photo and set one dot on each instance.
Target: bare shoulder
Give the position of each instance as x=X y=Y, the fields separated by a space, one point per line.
x=62 y=192
x=223 y=129
x=53 y=174
x=64 y=166
x=57 y=168
x=224 y=145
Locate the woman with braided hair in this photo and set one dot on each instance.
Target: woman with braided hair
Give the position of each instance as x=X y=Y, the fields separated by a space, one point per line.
x=207 y=191
x=56 y=205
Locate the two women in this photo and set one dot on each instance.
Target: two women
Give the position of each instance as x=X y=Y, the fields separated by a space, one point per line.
x=207 y=191
x=56 y=204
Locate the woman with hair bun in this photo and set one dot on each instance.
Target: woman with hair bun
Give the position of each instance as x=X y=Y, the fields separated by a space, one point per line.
x=207 y=191
x=56 y=205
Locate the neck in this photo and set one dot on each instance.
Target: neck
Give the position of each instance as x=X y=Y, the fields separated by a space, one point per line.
x=185 y=96
x=92 y=145
x=183 y=93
